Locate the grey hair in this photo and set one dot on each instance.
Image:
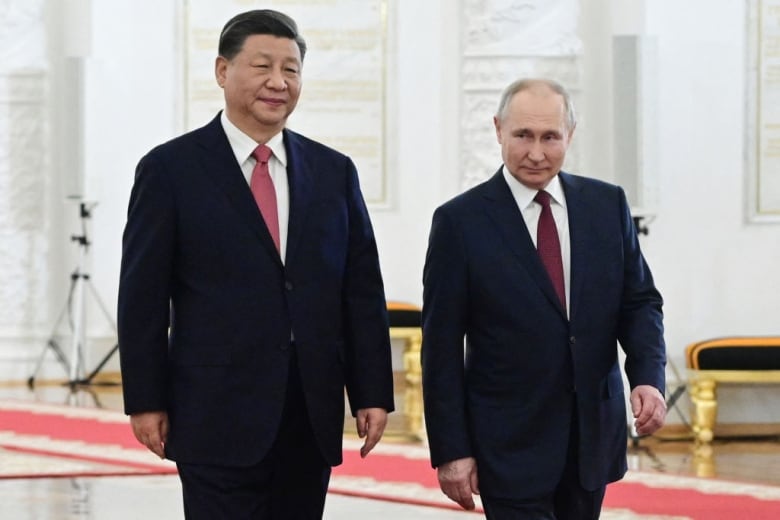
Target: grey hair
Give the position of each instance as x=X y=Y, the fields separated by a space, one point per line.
x=530 y=83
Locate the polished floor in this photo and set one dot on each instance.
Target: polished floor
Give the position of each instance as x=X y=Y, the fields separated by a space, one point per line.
x=753 y=458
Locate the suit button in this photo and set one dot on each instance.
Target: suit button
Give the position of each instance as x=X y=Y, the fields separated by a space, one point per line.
x=284 y=346
x=288 y=285
x=572 y=340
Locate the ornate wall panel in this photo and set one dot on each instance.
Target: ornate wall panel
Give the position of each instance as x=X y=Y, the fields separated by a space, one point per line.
x=501 y=41
x=763 y=111
x=344 y=98
x=23 y=167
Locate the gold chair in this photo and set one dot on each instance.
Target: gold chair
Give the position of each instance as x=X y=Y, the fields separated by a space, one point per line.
x=727 y=360
x=406 y=325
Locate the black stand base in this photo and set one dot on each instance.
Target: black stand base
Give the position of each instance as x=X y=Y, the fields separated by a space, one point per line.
x=88 y=380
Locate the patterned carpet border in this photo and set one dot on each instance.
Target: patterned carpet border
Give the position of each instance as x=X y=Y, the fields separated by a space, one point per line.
x=49 y=440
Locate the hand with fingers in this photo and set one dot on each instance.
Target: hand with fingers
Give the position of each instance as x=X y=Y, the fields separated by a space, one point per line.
x=371 y=424
x=151 y=430
x=649 y=409
x=458 y=480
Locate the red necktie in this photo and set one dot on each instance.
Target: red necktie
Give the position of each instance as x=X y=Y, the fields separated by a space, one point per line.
x=263 y=190
x=549 y=247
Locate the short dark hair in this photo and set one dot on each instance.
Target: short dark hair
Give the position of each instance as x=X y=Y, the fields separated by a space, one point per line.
x=258 y=21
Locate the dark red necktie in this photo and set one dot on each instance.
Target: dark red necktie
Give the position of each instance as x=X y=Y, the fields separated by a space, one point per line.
x=549 y=247
x=263 y=190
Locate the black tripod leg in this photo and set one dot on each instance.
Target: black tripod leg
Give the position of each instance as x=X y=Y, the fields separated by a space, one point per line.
x=88 y=380
x=58 y=353
x=103 y=308
x=52 y=344
x=672 y=403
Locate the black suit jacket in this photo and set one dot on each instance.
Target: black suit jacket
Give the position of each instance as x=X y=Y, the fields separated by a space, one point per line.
x=527 y=367
x=197 y=256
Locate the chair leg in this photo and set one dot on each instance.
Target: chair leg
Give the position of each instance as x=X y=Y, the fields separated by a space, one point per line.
x=413 y=403
x=704 y=461
x=704 y=397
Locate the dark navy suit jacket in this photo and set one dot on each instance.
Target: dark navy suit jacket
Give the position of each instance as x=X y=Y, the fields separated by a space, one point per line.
x=527 y=367
x=197 y=256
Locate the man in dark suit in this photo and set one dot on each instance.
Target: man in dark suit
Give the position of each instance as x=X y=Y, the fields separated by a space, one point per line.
x=240 y=326
x=533 y=418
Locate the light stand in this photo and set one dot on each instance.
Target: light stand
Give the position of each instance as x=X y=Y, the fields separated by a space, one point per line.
x=671 y=401
x=641 y=222
x=75 y=310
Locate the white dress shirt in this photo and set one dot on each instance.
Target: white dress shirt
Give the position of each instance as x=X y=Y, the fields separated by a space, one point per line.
x=243 y=146
x=524 y=197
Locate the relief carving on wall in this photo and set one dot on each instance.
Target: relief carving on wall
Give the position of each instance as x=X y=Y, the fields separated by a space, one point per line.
x=763 y=112
x=23 y=165
x=501 y=41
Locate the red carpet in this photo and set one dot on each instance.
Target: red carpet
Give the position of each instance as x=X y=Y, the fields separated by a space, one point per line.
x=42 y=440
x=402 y=473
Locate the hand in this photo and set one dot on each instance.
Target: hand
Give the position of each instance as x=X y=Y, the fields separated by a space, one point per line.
x=151 y=430
x=649 y=409
x=458 y=480
x=371 y=424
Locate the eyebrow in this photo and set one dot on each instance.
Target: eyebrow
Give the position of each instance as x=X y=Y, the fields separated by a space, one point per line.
x=265 y=55
x=530 y=130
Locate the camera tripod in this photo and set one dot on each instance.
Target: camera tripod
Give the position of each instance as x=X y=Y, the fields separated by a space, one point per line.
x=75 y=312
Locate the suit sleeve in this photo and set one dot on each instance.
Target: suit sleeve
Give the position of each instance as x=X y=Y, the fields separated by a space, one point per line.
x=640 y=326
x=369 y=373
x=445 y=293
x=143 y=312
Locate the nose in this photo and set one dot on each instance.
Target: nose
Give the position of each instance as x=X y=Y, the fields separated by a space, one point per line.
x=535 y=152
x=276 y=80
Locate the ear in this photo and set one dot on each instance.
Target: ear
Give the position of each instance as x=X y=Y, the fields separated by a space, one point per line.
x=571 y=132
x=220 y=70
x=497 y=124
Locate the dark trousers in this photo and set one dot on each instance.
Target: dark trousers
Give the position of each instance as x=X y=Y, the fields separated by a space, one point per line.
x=290 y=483
x=569 y=501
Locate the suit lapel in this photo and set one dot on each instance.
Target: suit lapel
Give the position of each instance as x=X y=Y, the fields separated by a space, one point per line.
x=300 y=175
x=502 y=209
x=219 y=164
x=579 y=230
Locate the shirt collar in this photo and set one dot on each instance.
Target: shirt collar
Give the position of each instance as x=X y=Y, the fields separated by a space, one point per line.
x=243 y=145
x=525 y=195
